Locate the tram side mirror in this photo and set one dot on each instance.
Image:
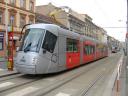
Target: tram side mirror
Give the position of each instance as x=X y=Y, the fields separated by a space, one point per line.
x=44 y=51
x=22 y=31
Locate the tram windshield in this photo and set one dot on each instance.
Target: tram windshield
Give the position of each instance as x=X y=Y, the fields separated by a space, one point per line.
x=32 y=40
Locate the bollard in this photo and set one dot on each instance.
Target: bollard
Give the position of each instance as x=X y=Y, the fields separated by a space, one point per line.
x=118 y=77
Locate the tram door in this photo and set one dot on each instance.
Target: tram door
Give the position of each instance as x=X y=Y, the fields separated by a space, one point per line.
x=62 y=52
x=50 y=52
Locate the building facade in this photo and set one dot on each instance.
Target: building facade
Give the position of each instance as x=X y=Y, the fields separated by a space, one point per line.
x=91 y=29
x=64 y=15
x=112 y=42
x=14 y=13
x=80 y=23
x=40 y=18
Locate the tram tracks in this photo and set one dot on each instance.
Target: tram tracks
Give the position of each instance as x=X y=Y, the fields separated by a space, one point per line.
x=86 y=90
x=60 y=80
x=8 y=74
x=9 y=77
x=54 y=86
x=83 y=92
x=98 y=81
x=16 y=81
x=50 y=84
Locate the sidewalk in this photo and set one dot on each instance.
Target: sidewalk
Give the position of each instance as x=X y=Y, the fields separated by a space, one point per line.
x=124 y=78
x=3 y=68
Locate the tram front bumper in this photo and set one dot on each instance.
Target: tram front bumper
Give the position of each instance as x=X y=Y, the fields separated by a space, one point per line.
x=25 y=69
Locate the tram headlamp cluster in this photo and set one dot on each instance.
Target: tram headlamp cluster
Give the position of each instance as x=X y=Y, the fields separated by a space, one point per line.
x=34 y=60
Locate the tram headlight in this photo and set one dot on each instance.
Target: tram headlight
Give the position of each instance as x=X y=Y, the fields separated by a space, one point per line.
x=34 y=60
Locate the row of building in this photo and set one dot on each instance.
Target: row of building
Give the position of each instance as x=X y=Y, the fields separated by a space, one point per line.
x=114 y=43
x=21 y=12
x=80 y=23
x=16 y=13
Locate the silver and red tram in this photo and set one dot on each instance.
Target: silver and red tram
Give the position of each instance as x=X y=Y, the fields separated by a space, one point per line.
x=48 y=48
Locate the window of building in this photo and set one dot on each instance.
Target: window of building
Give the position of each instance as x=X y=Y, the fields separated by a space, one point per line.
x=1 y=44
x=22 y=20
x=72 y=45
x=12 y=17
x=1 y=41
x=31 y=20
x=22 y=3
x=1 y=0
x=13 y=2
x=1 y=17
x=12 y=20
x=31 y=6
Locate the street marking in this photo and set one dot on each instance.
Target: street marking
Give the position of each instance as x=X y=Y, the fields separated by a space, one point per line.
x=50 y=79
x=1 y=69
x=23 y=92
x=104 y=69
x=127 y=67
x=62 y=94
x=6 y=84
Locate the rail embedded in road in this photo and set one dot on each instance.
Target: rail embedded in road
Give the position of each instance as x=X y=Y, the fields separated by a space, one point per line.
x=79 y=79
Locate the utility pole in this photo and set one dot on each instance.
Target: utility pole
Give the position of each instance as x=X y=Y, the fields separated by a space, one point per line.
x=6 y=28
x=6 y=22
x=127 y=15
x=126 y=39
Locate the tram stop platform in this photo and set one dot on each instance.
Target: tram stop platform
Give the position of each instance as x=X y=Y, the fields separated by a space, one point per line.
x=124 y=78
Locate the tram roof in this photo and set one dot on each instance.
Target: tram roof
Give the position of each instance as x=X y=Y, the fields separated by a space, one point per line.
x=63 y=31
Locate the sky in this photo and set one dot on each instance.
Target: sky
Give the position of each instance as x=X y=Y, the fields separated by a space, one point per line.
x=108 y=14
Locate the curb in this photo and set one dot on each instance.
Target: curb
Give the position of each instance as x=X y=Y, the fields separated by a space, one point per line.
x=8 y=74
x=112 y=80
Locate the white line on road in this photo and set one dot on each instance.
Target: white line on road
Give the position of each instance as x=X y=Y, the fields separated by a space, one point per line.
x=6 y=84
x=1 y=69
x=62 y=94
x=23 y=92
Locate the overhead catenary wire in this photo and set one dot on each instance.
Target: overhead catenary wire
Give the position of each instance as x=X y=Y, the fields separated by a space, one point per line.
x=107 y=17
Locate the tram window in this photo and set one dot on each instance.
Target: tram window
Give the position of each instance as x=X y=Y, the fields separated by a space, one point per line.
x=89 y=49
x=92 y=49
x=49 y=41
x=72 y=45
x=75 y=48
x=86 y=49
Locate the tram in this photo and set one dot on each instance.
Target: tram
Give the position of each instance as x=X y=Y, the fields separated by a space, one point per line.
x=48 y=48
